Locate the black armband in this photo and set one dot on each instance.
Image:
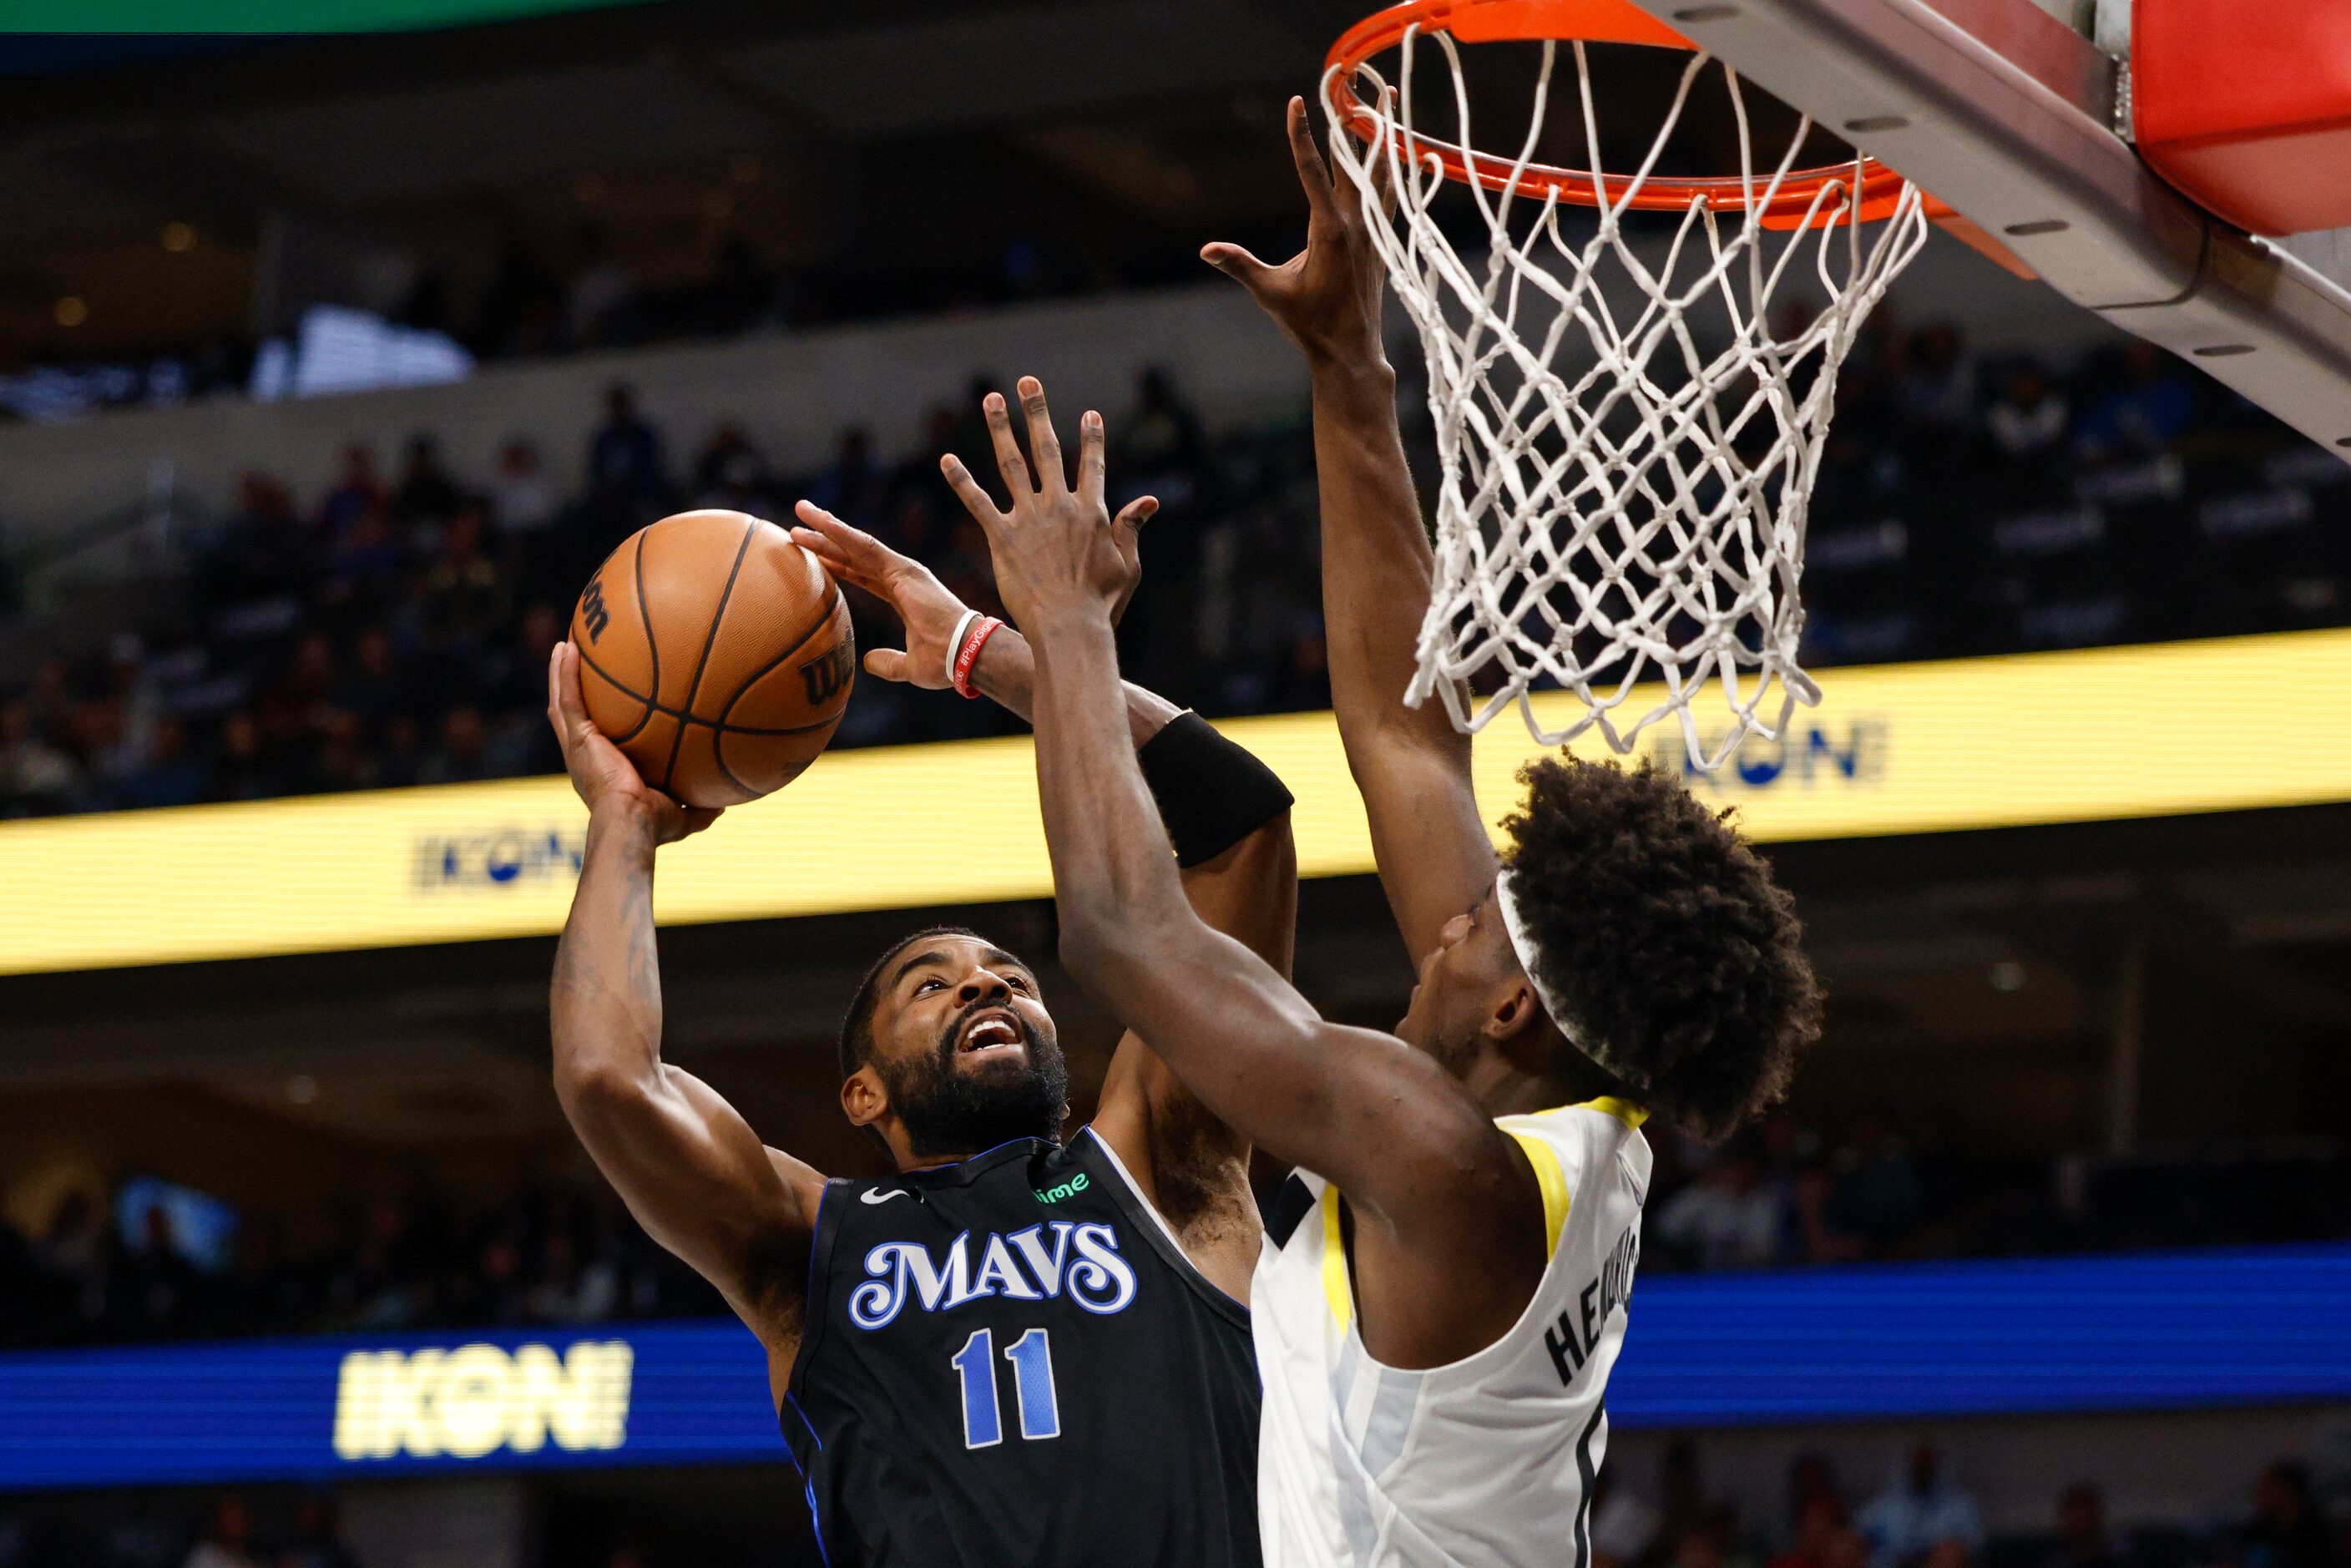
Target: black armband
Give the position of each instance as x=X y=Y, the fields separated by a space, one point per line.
x=1211 y=793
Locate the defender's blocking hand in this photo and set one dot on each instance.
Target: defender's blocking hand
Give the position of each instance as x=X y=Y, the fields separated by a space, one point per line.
x=1326 y=298
x=1054 y=550
x=929 y=613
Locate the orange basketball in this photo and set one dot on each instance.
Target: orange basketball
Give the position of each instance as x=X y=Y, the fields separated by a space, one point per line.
x=716 y=653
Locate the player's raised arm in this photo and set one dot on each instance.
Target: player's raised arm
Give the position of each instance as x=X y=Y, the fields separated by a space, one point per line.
x=1227 y=814
x=687 y=1164
x=1411 y=765
x=1439 y=1192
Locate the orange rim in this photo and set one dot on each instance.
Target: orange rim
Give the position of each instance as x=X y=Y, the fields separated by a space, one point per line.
x=1874 y=191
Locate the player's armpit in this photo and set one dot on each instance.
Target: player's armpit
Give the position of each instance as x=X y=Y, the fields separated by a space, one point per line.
x=1442 y=1274
x=1193 y=1168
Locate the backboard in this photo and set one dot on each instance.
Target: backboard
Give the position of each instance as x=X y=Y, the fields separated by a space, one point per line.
x=2019 y=113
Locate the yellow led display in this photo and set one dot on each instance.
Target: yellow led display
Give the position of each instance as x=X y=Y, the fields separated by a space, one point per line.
x=2050 y=737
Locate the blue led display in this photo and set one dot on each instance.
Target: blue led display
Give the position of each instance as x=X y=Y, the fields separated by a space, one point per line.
x=2239 y=1327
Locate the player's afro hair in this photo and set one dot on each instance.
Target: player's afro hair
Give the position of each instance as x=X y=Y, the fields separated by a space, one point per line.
x=857 y=1024
x=1665 y=937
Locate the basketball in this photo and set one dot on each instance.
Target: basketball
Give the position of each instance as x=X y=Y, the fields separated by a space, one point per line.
x=716 y=653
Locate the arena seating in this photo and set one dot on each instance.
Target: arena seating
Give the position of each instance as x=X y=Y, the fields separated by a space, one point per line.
x=391 y=629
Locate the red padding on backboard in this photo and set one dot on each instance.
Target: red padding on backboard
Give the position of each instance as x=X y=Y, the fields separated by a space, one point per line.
x=2247 y=106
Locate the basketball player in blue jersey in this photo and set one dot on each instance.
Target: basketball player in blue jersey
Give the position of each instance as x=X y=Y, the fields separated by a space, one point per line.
x=1444 y=1285
x=1018 y=1349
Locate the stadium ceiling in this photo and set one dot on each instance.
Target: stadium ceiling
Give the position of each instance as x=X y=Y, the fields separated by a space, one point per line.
x=435 y=147
x=351 y=124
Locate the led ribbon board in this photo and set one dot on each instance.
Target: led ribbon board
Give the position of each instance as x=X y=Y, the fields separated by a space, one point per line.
x=1889 y=1340
x=2151 y=731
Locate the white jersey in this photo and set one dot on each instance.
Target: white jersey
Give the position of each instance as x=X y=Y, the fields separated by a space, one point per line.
x=1487 y=1461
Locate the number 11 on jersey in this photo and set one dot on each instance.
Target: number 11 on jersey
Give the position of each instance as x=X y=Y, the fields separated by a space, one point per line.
x=1031 y=1356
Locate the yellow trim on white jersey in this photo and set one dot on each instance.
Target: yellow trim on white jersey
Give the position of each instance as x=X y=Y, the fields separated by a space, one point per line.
x=1335 y=1289
x=1550 y=1178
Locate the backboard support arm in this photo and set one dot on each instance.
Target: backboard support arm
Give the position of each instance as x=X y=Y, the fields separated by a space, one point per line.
x=2008 y=115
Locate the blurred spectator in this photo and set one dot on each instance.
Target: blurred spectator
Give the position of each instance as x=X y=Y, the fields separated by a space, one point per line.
x=850 y=486
x=172 y=774
x=461 y=755
x=1822 y=1537
x=228 y=1542
x=1684 y=1508
x=2082 y=1537
x=463 y=596
x=2287 y=1529
x=1729 y=1218
x=158 y=1286
x=1920 y=1509
x=522 y=501
x=599 y=290
x=570 y=1292
x=2147 y=414
x=740 y=290
x=730 y=472
x=35 y=776
x=624 y=457
x=1811 y=1486
x=355 y=494
x=2029 y=422
x=71 y=1259
x=1158 y=444
x=1878 y=1195
x=519 y=309
x=426 y=493
x=1623 y=1526
x=317 y=1539
x=376 y=686
x=1936 y=388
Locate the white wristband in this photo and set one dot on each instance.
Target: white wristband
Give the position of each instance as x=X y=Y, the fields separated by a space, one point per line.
x=954 y=643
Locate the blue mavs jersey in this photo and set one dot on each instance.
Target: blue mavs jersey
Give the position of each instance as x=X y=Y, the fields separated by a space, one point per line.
x=1010 y=1361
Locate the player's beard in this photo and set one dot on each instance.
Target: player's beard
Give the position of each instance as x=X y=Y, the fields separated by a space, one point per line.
x=948 y=1111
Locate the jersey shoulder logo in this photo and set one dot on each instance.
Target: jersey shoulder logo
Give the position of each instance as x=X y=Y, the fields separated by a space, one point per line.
x=1040 y=1263
x=1055 y=1194
x=882 y=1195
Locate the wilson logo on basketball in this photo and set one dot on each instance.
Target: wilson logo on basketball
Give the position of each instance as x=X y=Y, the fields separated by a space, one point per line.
x=592 y=613
x=828 y=671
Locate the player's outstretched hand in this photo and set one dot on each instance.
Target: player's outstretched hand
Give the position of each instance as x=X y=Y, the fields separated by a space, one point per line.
x=1326 y=298
x=929 y=611
x=599 y=771
x=1054 y=548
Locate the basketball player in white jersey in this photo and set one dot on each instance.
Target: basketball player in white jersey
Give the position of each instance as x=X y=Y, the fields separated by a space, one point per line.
x=1444 y=1285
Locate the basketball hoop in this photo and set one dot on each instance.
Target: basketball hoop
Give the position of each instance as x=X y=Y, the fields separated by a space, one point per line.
x=1628 y=443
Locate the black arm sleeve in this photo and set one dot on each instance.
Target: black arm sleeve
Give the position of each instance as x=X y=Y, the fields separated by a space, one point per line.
x=1211 y=793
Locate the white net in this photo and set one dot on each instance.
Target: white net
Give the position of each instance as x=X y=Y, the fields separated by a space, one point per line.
x=1628 y=443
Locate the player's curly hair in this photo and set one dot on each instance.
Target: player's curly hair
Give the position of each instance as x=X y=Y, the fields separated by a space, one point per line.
x=1664 y=936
